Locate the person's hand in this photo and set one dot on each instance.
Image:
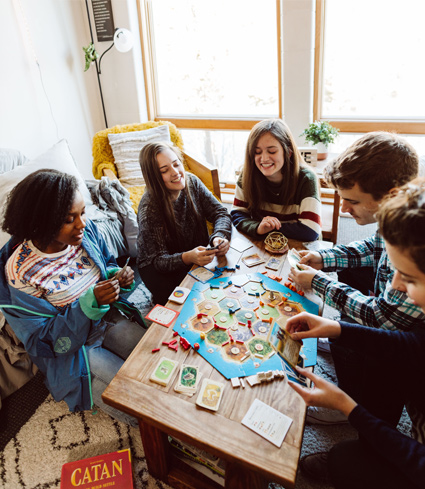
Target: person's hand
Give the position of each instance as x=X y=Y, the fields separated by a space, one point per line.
x=323 y=394
x=302 y=277
x=223 y=246
x=312 y=259
x=306 y=325
x=267 y=224
x=126 y=278
x=107 y=291
x=199 y=256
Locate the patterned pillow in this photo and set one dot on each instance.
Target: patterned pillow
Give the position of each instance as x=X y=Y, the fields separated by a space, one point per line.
x=126 y=149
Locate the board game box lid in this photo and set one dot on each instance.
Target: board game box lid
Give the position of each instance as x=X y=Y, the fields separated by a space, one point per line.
x=111 y=469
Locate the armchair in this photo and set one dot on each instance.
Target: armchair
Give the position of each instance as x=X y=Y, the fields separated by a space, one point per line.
x=104 y=162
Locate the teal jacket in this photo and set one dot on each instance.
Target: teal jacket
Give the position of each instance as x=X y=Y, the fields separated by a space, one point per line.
x=56 y=340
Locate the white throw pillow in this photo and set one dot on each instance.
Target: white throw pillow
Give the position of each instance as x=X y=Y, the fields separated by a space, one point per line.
x=58 y=157
x=126 y=148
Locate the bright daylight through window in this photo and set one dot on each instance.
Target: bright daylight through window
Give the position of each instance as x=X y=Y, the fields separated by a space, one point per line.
x=214 y=65
x=372 y=60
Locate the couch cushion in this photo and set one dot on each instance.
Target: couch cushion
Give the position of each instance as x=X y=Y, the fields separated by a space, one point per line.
x=126 y=149
x=58 y=157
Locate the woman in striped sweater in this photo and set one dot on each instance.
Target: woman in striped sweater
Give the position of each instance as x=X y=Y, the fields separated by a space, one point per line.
x=276 y=190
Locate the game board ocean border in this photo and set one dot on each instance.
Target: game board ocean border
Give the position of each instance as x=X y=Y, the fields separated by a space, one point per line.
x=242 y=293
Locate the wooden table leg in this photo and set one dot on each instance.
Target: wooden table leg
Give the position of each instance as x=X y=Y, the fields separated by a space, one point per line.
x=239 y=477
x=157 y=451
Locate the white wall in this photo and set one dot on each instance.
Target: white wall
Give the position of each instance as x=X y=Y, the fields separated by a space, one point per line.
x=53 y=32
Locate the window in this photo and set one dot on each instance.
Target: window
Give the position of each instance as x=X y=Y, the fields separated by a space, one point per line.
x=369 y=72
x=214 y=70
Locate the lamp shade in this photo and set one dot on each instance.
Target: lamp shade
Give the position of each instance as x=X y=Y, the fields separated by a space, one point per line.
x=123 y=40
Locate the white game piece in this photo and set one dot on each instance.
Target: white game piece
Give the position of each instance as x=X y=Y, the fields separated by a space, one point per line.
x=245 y=356
x=214 y=296
x=253 y=287
x=251 y=301
x=264 y=311
x=259 y=347
x=248 y=315
x=235 y=382
x=223 y=319
x=204 y=320
x=257 y=355
x=252 y=380
x=234 y=327
x=208 y=307
x=262 y=329
x=229 y=304
x=287 y=308
x=235 y=350
x=242 y=383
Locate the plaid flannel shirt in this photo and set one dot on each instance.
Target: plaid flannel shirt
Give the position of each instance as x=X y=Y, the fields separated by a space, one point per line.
x=389 y=309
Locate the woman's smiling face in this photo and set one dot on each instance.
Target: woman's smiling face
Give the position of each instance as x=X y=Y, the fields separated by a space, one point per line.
x=269 y=157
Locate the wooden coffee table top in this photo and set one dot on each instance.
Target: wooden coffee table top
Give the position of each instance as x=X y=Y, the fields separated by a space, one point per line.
x=220 y=433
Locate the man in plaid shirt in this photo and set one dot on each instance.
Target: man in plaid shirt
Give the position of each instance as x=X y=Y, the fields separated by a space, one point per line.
x=363 y=174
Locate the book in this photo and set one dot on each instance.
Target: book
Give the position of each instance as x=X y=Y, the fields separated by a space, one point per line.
x=111 y=469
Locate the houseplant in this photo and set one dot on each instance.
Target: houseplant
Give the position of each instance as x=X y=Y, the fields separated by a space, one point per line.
x=320 y=134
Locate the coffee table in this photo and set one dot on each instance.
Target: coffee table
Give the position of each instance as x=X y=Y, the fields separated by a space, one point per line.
x=251 y=461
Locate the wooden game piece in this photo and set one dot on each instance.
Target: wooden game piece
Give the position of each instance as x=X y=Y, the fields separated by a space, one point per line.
x=155 y=350
x=175 y=333
x=166 y=343
x=202 y=335
x=196 y=346
x=242 y=383
x=225 y=343
x=235 y=382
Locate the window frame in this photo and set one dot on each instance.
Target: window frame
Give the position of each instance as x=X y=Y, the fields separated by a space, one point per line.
x=403 y=126
x=144 y=8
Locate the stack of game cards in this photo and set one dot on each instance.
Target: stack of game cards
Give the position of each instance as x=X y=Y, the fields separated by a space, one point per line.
x=188 y=380
x=163 y=371
x=210 y=394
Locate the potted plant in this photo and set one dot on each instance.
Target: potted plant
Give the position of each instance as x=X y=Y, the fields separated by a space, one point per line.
x=320 y=134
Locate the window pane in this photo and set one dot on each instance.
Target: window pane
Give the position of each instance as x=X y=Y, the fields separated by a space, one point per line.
x=373 y=65
x=216 y=58
x=224 y=150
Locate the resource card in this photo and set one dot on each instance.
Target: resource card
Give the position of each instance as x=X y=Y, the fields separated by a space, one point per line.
x=210 y=395
x=202 y=274
x=294 y=257
x=285 y=346
x=273 y=263
x=188 y=380
x=163 y=371
x=162 y=315
x=252 y=260
x=267 y=422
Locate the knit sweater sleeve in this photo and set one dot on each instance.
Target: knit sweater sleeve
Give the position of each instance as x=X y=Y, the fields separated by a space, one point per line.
x=404 y=453
x=151 y=244
x=210 y=208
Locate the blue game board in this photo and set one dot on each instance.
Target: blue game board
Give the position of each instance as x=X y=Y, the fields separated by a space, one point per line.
x=231 y=302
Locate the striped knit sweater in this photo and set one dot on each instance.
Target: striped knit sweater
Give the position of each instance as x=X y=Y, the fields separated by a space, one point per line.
x=300 y=219
x=60 y=278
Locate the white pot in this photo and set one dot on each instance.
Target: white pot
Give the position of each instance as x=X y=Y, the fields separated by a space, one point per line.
x=322 y=151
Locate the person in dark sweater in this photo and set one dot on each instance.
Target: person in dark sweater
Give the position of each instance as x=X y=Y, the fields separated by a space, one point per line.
x=276 y=190
x=382 y=456
x=172 y=215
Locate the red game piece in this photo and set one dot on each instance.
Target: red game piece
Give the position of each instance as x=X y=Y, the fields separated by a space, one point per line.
x=166 y=343
x=196 y=346
x=155 y=350
x=175 y=333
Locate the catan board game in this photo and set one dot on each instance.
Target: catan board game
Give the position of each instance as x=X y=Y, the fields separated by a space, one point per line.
x=232 y=318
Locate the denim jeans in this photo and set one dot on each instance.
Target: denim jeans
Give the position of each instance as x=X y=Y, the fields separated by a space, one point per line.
x=121 y=337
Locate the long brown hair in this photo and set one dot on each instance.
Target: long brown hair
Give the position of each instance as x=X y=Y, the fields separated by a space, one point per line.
x=253 y=181
x=159 y=193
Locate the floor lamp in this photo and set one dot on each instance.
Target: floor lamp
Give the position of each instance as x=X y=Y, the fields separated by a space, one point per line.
x=123 y=42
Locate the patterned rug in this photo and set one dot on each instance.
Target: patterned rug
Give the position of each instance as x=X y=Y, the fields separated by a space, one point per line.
x=33 y=458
